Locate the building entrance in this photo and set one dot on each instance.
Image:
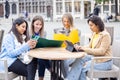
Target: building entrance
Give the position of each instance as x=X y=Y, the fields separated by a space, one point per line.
x=1 y=11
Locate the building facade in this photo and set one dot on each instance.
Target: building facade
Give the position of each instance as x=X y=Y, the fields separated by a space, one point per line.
x=32 y=7
x=78 y=8
x=108 y=8
x=54 y=9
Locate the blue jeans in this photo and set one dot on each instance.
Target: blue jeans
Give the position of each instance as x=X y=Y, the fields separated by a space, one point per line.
x=81 y=66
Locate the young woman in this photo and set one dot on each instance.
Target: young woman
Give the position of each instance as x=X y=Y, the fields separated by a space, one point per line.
x=99 y=46
x=16 y=43
x=37 y=28
x=70 y=33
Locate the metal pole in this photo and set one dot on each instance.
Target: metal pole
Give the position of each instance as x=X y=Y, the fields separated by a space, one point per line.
x=116 y=10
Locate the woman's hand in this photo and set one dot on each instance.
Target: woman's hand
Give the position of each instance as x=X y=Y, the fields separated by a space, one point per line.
x=32 y=43
x=78 y=48
x=65 y=42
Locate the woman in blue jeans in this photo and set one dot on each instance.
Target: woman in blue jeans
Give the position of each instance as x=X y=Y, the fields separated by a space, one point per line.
x=99 y=46
x=37 y=29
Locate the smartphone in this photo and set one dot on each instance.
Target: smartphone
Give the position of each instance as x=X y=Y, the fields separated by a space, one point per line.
x=36 y=37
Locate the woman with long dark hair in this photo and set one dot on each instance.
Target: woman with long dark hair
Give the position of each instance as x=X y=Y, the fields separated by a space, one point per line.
x=99 y=46
x=16 y=43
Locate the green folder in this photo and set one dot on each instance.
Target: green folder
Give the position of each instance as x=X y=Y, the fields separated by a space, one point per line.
x=42 y=42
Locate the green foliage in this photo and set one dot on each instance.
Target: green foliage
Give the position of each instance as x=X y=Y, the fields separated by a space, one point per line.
x=99 y=1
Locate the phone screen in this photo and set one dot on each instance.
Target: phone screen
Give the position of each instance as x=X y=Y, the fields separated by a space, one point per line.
x=36 y=38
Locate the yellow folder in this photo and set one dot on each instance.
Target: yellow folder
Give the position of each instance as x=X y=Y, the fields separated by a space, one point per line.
x=72 y=37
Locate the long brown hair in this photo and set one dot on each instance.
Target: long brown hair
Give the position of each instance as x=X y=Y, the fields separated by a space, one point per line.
x=19 y=37
x=41 y=32
x=70 y=19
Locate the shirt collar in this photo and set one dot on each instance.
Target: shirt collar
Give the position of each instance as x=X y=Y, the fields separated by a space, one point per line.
x=37 y=34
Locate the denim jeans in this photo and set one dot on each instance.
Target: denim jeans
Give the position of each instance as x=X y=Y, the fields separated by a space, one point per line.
x=81 y=66
x=107 y=79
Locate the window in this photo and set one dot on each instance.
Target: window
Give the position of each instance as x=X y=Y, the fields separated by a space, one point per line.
x=42 y=6
x=112 y=1
x=106 y=8
x=68 y=7
x=29 y=7
x=1 y=10
x=35 y=7
x=77 y=6
x=14 y=11
x=113 y=8
x=21 y=7
x=59 y=7
x=119 y=10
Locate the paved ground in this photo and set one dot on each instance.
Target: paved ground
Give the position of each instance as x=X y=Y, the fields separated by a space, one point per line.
x=49 y=26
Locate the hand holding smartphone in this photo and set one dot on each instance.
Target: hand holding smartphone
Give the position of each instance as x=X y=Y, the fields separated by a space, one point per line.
x=36 y=38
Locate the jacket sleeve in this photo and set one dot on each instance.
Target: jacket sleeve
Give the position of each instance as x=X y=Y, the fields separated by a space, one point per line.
x=9 y=47
x=102 y=47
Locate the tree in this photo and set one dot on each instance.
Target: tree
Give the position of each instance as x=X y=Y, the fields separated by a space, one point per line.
x=99 y=1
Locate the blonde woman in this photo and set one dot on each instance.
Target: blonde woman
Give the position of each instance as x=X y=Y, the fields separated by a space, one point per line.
x=70 y=33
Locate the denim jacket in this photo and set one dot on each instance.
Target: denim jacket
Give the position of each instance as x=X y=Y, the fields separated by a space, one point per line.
x=9 y=51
